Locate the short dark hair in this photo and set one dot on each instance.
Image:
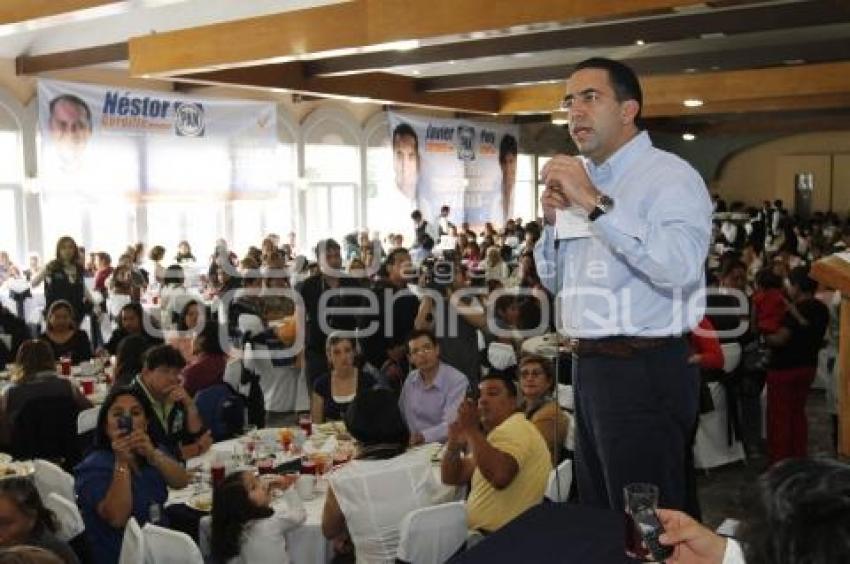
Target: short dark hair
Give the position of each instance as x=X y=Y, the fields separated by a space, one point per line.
x=508 y=146
x=374 y=418
x=163 y=355
x=766 y=278
x=799 y=276
x=394 y=254
x=802 y=514
x=156 y=252
x=105 y=258
x=405 y=130
x=508 y=382
x=71 y=99
x=417 y=333
x=623 y=80
x=416 y=215
x=325 y=245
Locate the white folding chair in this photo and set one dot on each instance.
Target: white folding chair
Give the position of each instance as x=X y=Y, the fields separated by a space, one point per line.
x=87 y=420
x=50 y=478
x=205 y=537
x=67 y=516
x=731 y=356
x=114 y=303
x=711 y=444
x=431 y=535
x=133 y=546
x=249 y=323
x=560 y=479
x=164 y=546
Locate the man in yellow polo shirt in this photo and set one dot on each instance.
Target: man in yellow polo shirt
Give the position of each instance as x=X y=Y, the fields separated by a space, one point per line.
x=509 y=466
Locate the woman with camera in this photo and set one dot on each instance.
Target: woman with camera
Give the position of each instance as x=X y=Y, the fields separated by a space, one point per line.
x=125 y=475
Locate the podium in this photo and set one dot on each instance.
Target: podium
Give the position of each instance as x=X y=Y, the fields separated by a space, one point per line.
x=834 y=272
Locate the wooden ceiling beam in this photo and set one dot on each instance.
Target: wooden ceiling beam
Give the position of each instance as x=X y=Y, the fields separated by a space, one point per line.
x=348 y=25
x=72 y=59
x=732 y=59
x=378 y=87
x=799 y=87
x=17 y=11
x=656 y=30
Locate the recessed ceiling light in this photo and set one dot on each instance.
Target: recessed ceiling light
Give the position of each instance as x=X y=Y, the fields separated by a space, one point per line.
x=692 y=103
x=417 y=72
x=690 y=70
x=688 y=136
x=478 y=35
x=794 y=61
x=640 y=42
x=452 y=62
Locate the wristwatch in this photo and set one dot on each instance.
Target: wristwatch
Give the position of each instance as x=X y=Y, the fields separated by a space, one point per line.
x=604 y=204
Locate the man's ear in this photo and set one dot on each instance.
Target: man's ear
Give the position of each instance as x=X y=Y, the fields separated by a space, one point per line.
x=629 y=110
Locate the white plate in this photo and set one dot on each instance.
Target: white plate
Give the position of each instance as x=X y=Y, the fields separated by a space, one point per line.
x=201 y=502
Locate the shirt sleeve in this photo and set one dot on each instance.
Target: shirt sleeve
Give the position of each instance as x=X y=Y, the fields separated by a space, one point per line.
x=670 y=242
x=454 y=395
x=506 y=440
x=544 y=255
x=733 y=553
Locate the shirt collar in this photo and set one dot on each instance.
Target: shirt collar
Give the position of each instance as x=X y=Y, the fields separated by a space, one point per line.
x=438 y=379
x=621 y=159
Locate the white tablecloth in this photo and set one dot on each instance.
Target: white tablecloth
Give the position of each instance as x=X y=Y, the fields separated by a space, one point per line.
x=305 y=544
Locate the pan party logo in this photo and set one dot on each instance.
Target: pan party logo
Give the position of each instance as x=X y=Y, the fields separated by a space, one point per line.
x=465 y=143
x=189 y=119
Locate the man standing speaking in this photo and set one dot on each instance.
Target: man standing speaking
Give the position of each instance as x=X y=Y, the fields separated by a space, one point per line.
x=626 y=237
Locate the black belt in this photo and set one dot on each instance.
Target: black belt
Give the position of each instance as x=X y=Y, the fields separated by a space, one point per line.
x=619 y=347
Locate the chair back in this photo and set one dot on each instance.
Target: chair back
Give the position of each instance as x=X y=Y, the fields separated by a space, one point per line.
x=50 y=478
x=133 y=545
x=87 y=420
x=560 y=480
x=431 y=535
x=222 y=411
x=731 y=356
x=205 y=537
x=68 y=516
x=46 y=428
x=165 y=546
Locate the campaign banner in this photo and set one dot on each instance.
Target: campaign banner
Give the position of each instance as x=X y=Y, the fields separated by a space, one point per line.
x=467 y=165
x=101 y=140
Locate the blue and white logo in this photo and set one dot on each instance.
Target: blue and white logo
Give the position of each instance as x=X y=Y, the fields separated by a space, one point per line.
x=189 y=119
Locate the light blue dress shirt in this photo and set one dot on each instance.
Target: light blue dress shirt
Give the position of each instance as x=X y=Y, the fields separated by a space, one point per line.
x=641 y=273
x=430 y=409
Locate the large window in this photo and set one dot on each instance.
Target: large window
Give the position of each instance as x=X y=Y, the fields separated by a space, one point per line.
x=525 y=189
x=329 y=203
x=11 y=174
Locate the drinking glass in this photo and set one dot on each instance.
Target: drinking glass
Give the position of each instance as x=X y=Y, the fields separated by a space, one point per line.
x=642 y=525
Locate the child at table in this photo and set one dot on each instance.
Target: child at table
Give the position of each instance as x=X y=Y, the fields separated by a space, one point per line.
x=246 y=526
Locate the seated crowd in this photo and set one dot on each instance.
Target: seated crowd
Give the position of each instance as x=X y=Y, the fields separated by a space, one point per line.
x=406 y=346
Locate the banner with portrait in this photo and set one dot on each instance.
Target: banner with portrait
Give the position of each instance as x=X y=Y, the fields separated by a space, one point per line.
x=102 y=141
x=467 y=165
